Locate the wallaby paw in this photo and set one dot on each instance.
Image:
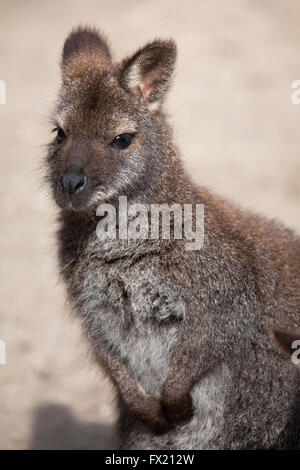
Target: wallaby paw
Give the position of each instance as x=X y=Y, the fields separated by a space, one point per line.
x=181 y=412
x=153 y=415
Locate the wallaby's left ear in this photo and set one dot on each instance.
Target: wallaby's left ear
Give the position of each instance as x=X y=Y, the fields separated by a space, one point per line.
x=84 y=48
x=149 y=71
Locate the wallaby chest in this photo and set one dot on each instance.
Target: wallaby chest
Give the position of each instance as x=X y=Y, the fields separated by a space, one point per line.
x=130 y=306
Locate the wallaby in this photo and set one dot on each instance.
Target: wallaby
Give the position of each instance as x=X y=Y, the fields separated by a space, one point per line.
x=181 y=333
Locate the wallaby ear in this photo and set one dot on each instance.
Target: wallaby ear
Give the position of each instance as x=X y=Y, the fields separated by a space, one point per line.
x=284 y=339
x=149 y=71
x=83 y=48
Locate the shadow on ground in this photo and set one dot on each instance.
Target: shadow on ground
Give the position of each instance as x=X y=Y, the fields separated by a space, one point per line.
x=55 y=427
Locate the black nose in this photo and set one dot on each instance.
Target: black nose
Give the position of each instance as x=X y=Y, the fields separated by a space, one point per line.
x=73 y=180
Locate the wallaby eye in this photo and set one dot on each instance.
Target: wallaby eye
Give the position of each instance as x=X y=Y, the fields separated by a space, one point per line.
x=122 y=141
x=60 y=136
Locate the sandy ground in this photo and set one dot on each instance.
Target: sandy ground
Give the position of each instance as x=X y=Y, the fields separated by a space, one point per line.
x=239 y=134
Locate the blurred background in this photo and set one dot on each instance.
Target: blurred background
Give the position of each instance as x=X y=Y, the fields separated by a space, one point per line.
x=239 y=134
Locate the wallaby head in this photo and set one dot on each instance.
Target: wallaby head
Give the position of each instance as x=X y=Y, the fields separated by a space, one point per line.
x=109 y=127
